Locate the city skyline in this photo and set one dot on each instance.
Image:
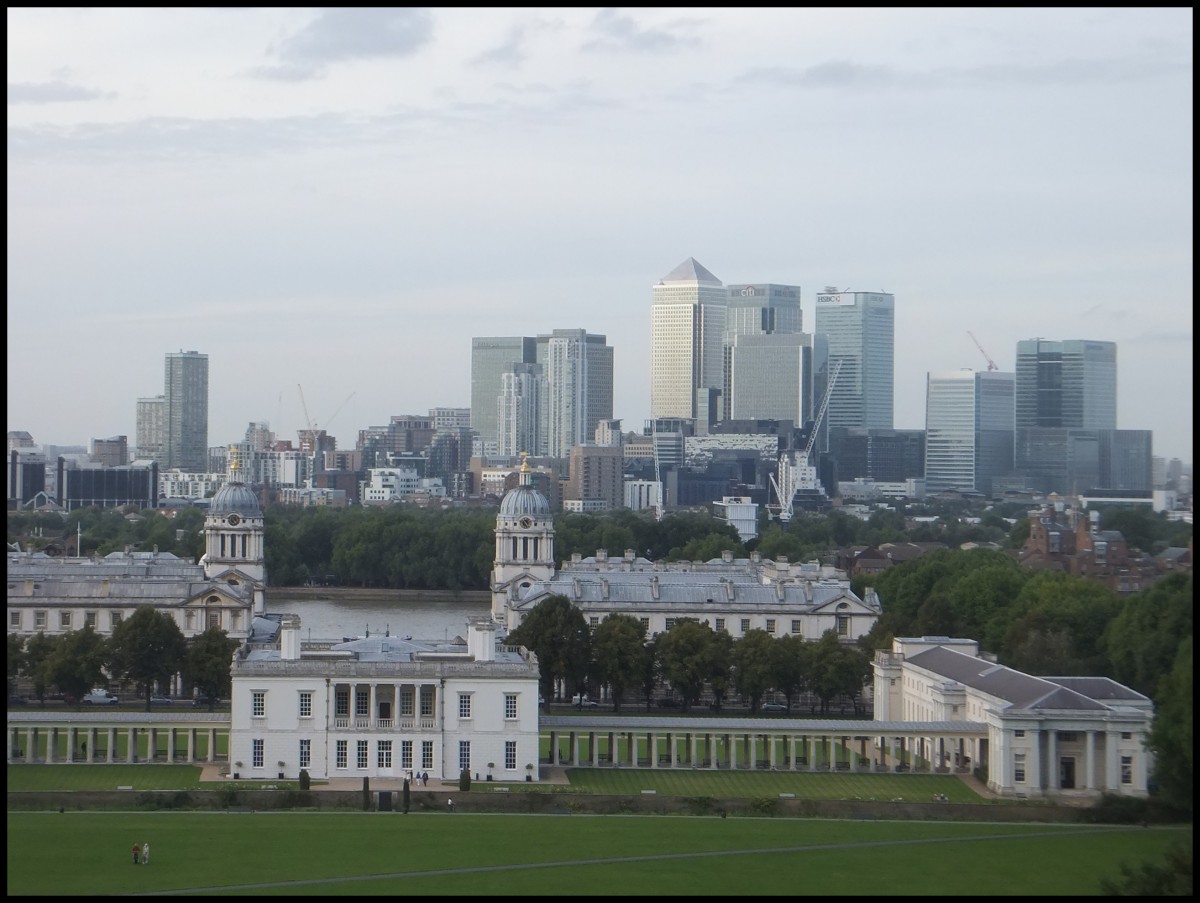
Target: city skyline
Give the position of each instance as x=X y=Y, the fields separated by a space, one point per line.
x=343 y=199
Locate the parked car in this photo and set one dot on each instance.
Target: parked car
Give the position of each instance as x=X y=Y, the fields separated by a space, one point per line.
x=583 y=702
x=156 y=699
x=100 y=697
x=668 y=702
x=768 y=708
x=204 y=702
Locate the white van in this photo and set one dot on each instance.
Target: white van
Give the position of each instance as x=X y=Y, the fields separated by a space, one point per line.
x=100 y=697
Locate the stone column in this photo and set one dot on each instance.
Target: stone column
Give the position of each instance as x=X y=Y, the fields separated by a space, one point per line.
x=191 y=745
x=1052 y=775
x=372 y=702
x=1089 y=774
x=170 y=746
x=1112 y=762
x=574 y=747
x=1035 y=760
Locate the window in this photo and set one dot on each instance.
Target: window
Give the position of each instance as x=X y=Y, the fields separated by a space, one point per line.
x=306 y=704
x=1126 y=735
x=770 y=625
x=671 y=623
x=427 y=703
x=464 y=755
x=510 y=705
x=510 y=754
x=1018 y=733
x=427 y=754
x=406 y=703
x=341 y=703
x=720 y=622
x=361 y=754
x=258 y=704
x=1126 y=769
x=39 y=620
x=645 y=622
x=305 y=753
x=1019 y=768
x=745 y=624
x=593 y=621
x=406 y=754
x=114 y=619
x=14 y=619
x=89 y=619
x=362 y=704
x=464 y=705
x=256 y=758
x=843 y=625
x=341 y=753
x=383 y=754
x=214 y=619
x=797 y=630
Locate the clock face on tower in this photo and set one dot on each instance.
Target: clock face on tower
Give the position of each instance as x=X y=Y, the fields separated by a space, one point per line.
x=526 y=522
x=234 y=520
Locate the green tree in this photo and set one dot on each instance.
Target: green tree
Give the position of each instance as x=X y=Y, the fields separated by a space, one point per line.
x=38 y=649
x=1173 y=878
x=791 y=663
x=147 y=648
x=686 y=651
x=720 y=669
x=619 y=649
x=77 y=663
x=1057 y=625
x=1144 y=637
x=207 y=663
x=16 y=661
x=1171 y=731
x=837 y=670
x=752 y=657
x=557 y=633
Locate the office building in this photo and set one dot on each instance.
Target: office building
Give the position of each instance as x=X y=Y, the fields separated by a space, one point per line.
x=968 y=430
x=491 y=358
x=578 y=368
x=521 y=411
x=113 y=451
x=687 y=318
x=860 y=329
x=1071 y=384
x=878 y=456
x=773 y=376
x=26 y=476
x=185 y=416
x=1070 y=461
x=595 y=479
x=757 y=309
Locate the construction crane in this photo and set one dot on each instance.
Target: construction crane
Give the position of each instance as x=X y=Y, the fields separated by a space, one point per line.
x=796 y=474
x=310 y=427
x=991 y=363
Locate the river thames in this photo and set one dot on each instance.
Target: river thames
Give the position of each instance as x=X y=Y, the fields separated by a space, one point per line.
x=333 y=613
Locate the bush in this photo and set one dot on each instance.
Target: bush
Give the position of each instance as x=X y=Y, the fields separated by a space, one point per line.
x=305 y=780
x=464 y=779
x=1114 y=809
x=227 y=797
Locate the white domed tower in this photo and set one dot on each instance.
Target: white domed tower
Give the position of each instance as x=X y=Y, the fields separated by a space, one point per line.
x=524 y=543
x=233 y=532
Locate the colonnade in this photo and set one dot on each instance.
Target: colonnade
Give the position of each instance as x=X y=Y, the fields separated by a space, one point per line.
x=31 y=743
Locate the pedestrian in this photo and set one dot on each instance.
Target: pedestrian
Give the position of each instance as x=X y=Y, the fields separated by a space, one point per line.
x=137 y=854
x=450 y=804
x=425 y=779
x=146 y=853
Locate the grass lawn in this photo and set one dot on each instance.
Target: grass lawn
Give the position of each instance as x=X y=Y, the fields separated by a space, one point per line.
x=357 y=853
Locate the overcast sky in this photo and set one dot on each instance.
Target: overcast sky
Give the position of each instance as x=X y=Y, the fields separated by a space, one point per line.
x=341 y=199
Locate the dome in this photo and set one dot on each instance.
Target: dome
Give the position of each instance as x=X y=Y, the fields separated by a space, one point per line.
x=523 y=500
x=235 y=498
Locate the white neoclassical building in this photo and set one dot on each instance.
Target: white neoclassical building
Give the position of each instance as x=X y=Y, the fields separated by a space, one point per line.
x=224 y=589
x=382 y=706
x=730 y=594
x=1036 y=736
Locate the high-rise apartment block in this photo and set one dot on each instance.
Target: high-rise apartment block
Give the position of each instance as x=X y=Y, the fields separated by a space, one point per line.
x=860 y=329
x=687 y=318
x=113 y=451
x=521 y=406
x=185 y=388
x=968 y=430
x=578 y=368
x=491 y=358
x=151 y=434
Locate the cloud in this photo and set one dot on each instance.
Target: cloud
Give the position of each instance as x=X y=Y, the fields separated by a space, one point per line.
x=355 y=33
x=848 y=74
x=614 y=31
x=514 y=50
x=52 y=92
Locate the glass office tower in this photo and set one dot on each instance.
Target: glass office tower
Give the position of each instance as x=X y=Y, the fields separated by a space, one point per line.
x=860 y=328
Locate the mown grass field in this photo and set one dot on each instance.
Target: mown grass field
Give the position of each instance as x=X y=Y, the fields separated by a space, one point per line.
x=441 y=854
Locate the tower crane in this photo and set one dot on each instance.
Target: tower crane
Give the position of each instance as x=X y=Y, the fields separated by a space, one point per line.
x=991 y=363
x=795 y=473
x=310 y=426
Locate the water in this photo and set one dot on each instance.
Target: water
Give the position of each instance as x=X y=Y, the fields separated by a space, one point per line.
x=333 y=614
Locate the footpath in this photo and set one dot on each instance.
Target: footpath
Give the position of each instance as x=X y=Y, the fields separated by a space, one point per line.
x=549 y=774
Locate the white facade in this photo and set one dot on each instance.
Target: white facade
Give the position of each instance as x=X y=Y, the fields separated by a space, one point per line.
x=383 y=707
x=643 y=495
x=177 y=484
x=740 y=513
x=388 y=484
x=687 y=321
x=1036 y=736
x=521 y=411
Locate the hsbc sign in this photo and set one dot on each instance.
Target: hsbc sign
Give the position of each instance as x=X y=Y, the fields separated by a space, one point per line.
x=838 y=300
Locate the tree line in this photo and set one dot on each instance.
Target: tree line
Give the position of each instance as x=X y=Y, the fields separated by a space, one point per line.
x=145 y=650
x=691 y=658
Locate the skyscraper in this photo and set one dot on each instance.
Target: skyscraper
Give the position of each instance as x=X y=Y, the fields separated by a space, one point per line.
x=687 y=321
x=1069 y=384
x=578 y=368
x=771 y=376
x=185 y=416
x=968 y=429
x=491 y=358
x=762 y=309
x=151 y=436
x=520 y=422
x=860 y=328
